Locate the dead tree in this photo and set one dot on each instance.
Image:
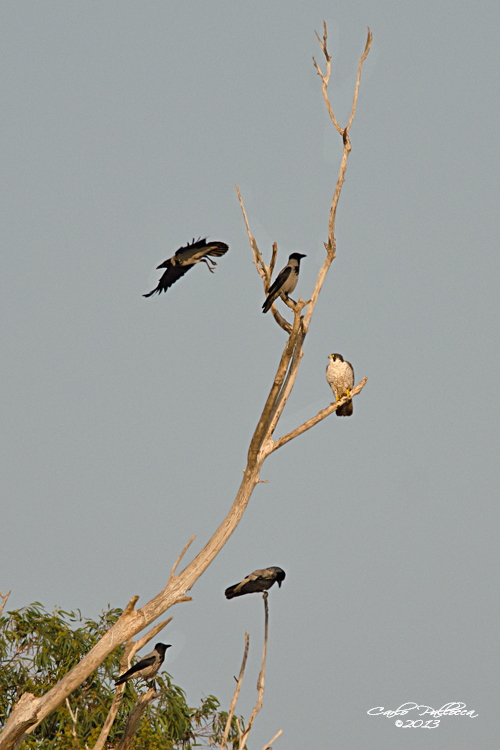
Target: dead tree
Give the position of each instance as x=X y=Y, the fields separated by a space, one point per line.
x=29 y=711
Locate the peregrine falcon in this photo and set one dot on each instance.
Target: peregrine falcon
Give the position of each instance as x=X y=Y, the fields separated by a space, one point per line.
x=259 y=580
x=340 y=376
x=147 y=667
x=185 y=258
x=285 y=282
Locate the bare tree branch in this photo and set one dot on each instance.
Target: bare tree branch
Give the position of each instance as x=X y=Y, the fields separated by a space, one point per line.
x=149 y=636
x=264 y=271
x=135 y=716
x=358 y=79
x=110 y=718
x=257 y=257
x=172 y=574
x=269 y=745
x=326 y=78
x=261 y=680
x=4 y=598
x=272 y=263
x=74 y=719
x=318 y=418
x=236 y=694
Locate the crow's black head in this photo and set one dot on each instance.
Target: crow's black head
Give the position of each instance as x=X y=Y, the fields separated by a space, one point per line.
x=162 y=647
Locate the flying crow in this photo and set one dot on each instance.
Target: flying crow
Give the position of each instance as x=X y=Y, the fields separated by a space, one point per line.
x=147 y=667
x=259 y=580
x=185 y=258
x=285 y=282
x=340 y=376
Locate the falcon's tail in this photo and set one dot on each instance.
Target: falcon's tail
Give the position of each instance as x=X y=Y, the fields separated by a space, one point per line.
x=345 y=410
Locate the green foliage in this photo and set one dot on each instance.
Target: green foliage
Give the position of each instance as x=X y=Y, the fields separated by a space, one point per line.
x=38 y=648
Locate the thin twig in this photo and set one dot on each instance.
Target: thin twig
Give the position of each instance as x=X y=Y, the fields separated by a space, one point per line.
x=265 y=272
x=360 y=65
x=326 y=78
x=74 y=719
x=331 y=244
x=240 y=731
x=273 y=261
x=149 y=636
x=270 y=743
x=261 y=680
x=110 y=718
x=236 y=694
x=257 y=257
x=4 y=602
x=172 y=574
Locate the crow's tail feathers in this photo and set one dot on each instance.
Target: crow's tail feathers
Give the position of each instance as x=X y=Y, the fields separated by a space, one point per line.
x=230 y=592
x=269 y=303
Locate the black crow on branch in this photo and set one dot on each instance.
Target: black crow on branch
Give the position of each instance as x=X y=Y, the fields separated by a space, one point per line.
x=147 y=667
x=259 y=580
x=187 y=257
x=285 y=282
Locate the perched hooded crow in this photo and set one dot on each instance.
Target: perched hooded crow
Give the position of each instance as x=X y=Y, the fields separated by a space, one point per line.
x=259 y=580
x=147 y=667
x=285 y=282
x=340 y=377
x=185 y=258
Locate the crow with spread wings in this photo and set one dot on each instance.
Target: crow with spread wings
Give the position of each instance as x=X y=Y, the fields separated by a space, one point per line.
x=185 y=258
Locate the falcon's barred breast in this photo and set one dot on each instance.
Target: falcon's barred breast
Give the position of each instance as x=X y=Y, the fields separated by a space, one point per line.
x=340 y=377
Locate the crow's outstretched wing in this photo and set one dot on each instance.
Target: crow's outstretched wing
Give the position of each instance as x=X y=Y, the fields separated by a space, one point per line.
x=171 y=275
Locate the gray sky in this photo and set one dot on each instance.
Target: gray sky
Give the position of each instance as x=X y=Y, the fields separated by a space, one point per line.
x=125 y=127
